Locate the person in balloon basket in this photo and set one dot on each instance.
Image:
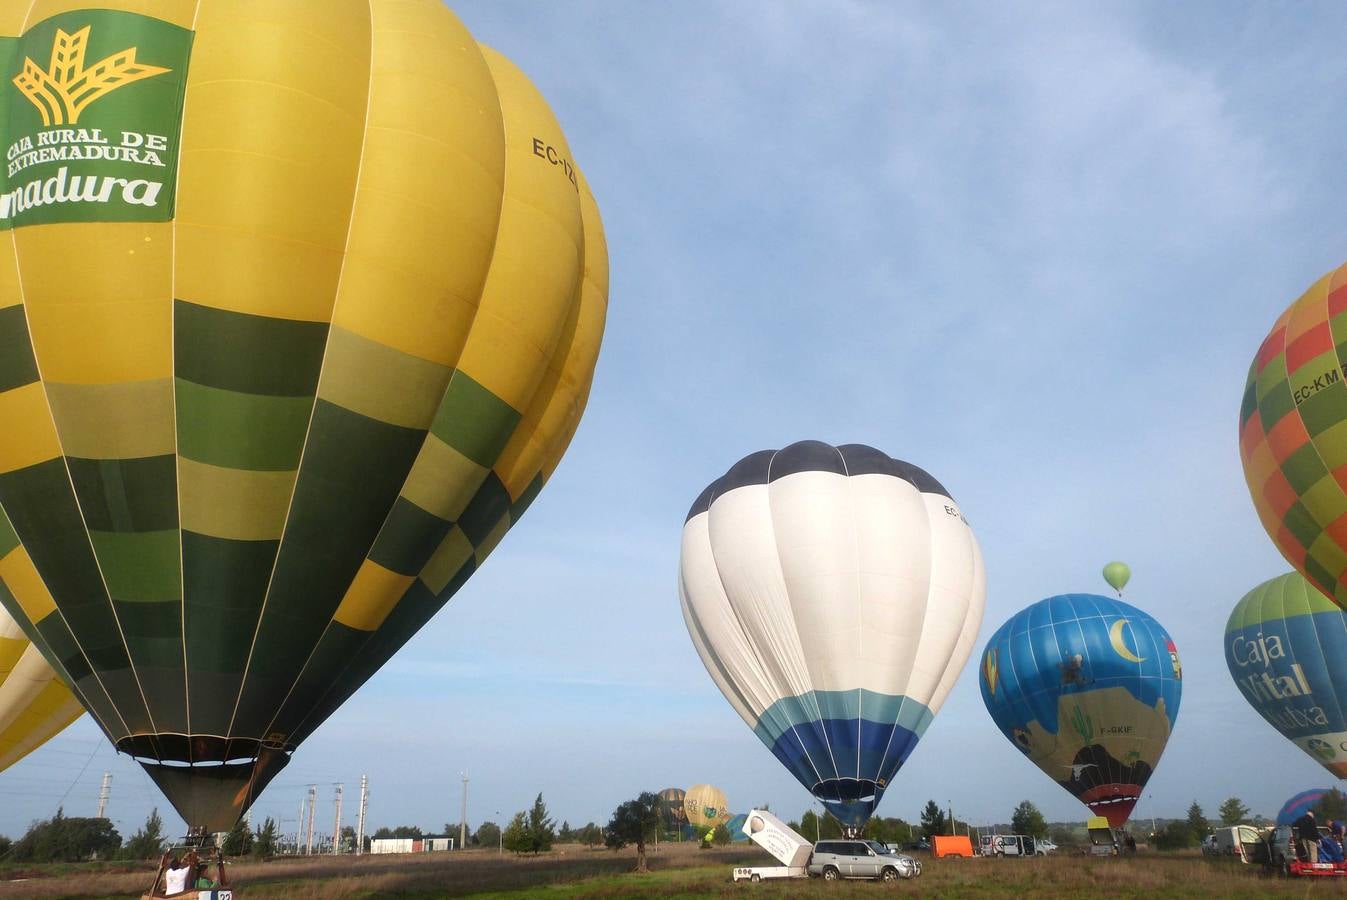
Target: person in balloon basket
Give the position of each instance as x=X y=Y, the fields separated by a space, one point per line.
x=1306 y=831
x=176 y=875
x=200 y=871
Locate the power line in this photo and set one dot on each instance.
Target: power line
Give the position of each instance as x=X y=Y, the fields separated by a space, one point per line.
x=97 y=747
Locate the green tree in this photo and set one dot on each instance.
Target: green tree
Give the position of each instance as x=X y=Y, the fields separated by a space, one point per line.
x=540 y=827
x=1332 y=805
x=1028 y=820
x=817 y=827
x=516 y=835
x=400 y=831
x=149 y=841
x=1176 y=835
x=634 y=822
x=721 y=836
x=239 y=841
x=565 y=834
x=5 y=845
x=892 y=831
x=1232 y=811
x=933 y=820
x=347 y=839
x=1197 y=822
x=265 y=839
x=65 y=838
x=1062 y=836
x=488 y=835
x=591 y=835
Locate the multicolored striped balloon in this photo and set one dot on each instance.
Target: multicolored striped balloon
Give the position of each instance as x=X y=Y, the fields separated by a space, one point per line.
x=1286 y=647
x=302 y=311
x=1088 y=688
x=34 y=705
x=834 y=594
x=1293 y=434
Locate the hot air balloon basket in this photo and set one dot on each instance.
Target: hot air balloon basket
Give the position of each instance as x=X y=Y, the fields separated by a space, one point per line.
x=1300 y=869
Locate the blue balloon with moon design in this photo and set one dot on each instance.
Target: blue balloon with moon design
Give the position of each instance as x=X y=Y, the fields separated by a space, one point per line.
x=1088 y=688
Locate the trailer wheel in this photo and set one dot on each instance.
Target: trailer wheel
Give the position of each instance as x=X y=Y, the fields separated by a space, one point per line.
x=756 y=877
x=830 y=873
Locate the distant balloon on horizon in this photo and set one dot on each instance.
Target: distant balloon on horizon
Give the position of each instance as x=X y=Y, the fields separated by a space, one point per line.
x=671 y=809
x=1087 y=687
x=705 y=806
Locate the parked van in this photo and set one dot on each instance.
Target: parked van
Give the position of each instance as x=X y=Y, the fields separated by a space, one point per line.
x=1244 y=842
x=1013 y=845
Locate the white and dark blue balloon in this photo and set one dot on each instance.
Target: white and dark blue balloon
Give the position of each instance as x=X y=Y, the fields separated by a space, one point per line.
x=834 y=594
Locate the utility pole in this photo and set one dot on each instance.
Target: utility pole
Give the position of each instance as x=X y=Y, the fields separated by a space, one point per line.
x=360 y=820
x=336 y=827
x=103 y=795
x=463 y=815
x=299 y=827
x=313 y=801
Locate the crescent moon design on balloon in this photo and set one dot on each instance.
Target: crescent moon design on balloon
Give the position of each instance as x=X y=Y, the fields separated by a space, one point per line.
x=1116 y=638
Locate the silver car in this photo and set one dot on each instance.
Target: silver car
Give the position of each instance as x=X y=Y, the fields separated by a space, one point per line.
x=860 y=859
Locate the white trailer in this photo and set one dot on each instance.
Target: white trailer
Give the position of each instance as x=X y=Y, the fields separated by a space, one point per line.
x=778 y=839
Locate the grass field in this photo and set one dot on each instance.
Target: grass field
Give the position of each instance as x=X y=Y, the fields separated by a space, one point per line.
x=681 y=871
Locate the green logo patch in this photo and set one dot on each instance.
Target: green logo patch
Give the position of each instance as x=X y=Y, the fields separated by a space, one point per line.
x=91 y=108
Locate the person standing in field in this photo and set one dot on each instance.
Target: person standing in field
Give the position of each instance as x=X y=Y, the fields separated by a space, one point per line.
x=1306 y=831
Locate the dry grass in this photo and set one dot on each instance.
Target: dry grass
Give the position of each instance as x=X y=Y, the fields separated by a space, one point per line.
x=426 y=874
x=683 y=871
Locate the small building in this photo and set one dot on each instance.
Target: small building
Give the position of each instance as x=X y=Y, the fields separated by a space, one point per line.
x=427 y=844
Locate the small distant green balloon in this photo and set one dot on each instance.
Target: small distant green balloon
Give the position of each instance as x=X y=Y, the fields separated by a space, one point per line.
x=1116 y=574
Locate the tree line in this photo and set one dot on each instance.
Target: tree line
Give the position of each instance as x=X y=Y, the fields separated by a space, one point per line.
x=635 y=822
x=65 y=838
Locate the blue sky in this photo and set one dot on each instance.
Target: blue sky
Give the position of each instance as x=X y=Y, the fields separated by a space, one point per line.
x=1029 y=247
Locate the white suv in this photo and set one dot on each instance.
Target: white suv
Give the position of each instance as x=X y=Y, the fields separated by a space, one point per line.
x=860 y=859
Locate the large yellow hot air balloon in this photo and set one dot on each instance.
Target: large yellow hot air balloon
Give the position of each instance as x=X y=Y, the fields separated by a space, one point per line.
x=34 y=704
x=301 y=310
